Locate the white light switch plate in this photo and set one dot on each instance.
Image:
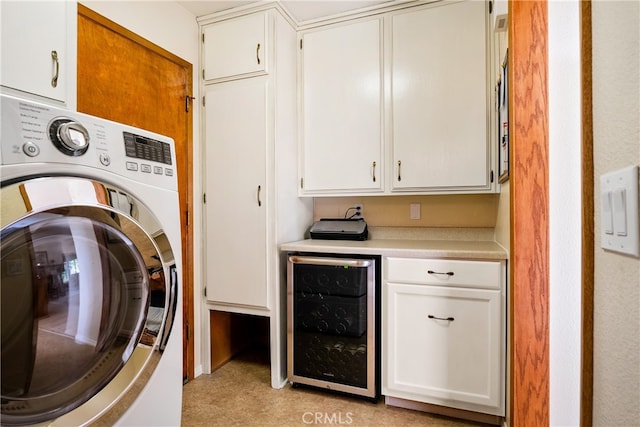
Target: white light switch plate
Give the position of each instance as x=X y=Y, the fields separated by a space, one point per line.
x=619 y=215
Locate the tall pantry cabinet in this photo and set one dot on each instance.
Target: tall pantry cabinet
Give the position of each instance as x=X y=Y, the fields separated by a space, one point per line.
x=251 y=203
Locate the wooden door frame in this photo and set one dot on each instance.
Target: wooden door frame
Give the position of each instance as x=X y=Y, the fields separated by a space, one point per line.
x=186 y=223
x=529 y=193
x=588 y=217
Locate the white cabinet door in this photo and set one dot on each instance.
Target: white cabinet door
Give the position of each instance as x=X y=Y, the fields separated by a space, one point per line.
x=35 y=54
x=236 y=47
x=439 y=98
x=235 y=180
x=342 y=108
x=443 y=346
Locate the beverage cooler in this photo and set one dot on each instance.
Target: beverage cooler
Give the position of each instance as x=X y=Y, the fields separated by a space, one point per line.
x=332 y=335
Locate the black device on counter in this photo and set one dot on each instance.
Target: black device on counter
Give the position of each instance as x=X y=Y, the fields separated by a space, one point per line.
x=339 y=229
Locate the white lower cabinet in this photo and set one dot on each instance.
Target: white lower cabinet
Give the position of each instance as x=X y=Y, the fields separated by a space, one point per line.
x=444 y=342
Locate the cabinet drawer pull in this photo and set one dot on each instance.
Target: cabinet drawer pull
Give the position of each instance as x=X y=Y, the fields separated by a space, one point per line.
x=399 y=167
x=448 y=319
x=374 y=171
x=258 y=53
x=56 y=73
x=448 y=273
x=258 y=196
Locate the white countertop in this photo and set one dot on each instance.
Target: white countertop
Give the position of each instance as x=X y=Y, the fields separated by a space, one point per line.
x=465 y=249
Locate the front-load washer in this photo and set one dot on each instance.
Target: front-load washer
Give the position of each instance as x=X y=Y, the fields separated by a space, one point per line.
x=91 y=315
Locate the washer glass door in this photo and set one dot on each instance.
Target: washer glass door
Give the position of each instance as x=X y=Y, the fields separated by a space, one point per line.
x=82 y=286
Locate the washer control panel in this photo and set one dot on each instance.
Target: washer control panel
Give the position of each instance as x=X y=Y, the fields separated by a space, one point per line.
x=40 y=133
x=140 y=147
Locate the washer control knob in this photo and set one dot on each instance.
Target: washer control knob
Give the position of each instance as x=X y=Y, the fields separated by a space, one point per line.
x=70 y=137
x=30 y=149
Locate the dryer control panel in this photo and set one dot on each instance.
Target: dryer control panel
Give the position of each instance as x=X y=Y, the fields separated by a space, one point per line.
x=69 y=142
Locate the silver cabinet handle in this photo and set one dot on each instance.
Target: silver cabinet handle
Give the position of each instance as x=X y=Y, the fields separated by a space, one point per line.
x=56 y=63
x=374 y=171
x=399 y=167
x=258 y=53
x=258 y=196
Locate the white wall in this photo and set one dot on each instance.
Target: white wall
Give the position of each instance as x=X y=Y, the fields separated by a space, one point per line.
x=616 y=116
x=172 y=27
x=616 y=99
x=565 y=212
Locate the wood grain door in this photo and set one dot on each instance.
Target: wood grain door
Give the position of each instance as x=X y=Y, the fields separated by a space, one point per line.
x=127 y=79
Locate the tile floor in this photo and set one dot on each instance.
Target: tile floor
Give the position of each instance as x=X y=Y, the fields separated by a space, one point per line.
x=239 y=394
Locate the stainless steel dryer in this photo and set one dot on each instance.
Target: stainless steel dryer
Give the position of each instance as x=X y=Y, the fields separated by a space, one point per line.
x=90 y=291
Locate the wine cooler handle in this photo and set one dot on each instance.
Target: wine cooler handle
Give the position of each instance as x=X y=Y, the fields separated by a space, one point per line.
x=346 y=262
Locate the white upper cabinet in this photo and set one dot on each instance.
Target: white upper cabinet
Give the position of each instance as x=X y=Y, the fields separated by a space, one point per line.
x=397 y=103
x=439 y=110
x=342 y=108
x=39 y=49
x=236 y=47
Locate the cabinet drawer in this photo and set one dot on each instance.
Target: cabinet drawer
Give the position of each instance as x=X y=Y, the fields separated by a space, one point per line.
x=477 y=274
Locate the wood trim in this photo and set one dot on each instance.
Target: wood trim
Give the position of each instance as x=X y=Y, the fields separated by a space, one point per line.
x=187 y=224
x=187 y=233
x=588 y=280
x=529 y=137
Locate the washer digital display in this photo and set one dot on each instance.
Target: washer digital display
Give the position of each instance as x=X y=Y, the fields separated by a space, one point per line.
x=140 y=147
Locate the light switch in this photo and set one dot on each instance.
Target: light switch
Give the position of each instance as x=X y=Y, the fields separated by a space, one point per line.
x=607 y=215
x=619 y=228
x=620 y=211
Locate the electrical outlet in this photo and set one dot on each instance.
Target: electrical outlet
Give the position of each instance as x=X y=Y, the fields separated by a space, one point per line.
x=359 y=213
x=414 y=211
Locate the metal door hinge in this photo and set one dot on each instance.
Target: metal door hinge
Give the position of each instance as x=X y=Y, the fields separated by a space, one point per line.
x=300 y=44
x=302 y=183
x=186 y=218
x=187 y=102
x=204 y=198
x=202 y=37
x=491 y=176
x=490 y=7
x=203 y=102
x=203 y=74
